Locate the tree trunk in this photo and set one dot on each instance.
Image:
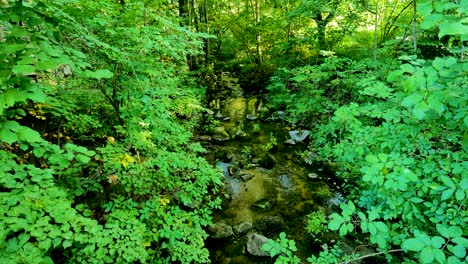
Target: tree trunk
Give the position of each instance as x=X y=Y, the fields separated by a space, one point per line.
x=321 y=27
x=207 y=40
x=258 y=37
x=415 y=41
x=376 y=22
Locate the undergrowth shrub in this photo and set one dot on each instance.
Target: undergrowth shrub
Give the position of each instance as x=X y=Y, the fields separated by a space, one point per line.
x=96 y=113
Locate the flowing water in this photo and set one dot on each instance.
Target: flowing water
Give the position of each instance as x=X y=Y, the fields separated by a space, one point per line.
x=269 y=188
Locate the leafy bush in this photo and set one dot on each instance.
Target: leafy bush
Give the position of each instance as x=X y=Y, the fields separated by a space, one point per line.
x=101 y=168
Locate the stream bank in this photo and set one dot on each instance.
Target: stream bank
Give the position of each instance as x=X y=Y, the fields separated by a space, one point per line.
x=269 y=188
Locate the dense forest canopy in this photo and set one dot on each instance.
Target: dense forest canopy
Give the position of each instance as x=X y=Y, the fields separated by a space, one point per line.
x=99 y=101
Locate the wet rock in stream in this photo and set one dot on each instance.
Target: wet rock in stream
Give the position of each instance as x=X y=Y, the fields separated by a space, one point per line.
x=255 y=243
x=269 y=224
x=299 y=135
x=220 y=134
x=220 y=230
x=242 y=228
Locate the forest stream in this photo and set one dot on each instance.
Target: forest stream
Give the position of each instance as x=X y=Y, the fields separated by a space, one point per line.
x=269 y=188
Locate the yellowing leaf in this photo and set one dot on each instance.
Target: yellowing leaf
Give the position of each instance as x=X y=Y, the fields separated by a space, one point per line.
x=125 y=160
x=164 y=201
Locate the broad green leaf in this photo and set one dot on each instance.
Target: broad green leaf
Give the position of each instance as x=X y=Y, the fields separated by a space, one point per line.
x=420 y=109
x=82 y=158
x=439 y=255
x=435 y=104
x=23 y=69
x=343 y=230
x=448 y=182
x=460 y=195
x=412 y=244
x=407 y=68
x=99 y=74
x=27 y=134
x=427 y=255
x=372 y=228
x=460 y=240
x=459 y=251
x=443 y=230
x=66 y=243
x=10 y=97
x=336 y=222
x=8 y=132
x=372 y=159
x=437 y=242
x=453 y=260
x=431 y=21
x=394 y=75
x=382 y=227
x=452 y=28
x=11 y=48
x=447 y=194
x=46 y=65
x=55 y=51
x=412 y=99
x=464 y=184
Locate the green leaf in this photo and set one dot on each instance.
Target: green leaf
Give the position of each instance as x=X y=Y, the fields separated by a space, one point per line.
x=66 y=243
x=447 y=194
x=82 y=158
x=427 y=255
x=51 y=51
x=431 y=20
x=394 y=75
x=437 y=241
x=372 y=159
x=412 y=244
x=343 y=230
x=99 y=74
x=460 y=195
x=412 y=99
x=459 y=251
x=435 y=104
x=23 y=69
x=452 y=28
x=46 y=65
x=439 y=255
x=464 y=184
x=420 y=109
x=407 y=68
x=448 y=182
x=336 y=222
x=382 y=227
x=443 y=230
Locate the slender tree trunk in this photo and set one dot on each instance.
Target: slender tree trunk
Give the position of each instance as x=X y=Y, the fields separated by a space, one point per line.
x=376 y=22
x=207 y=40
x=321 y=27
x=415 y=41
x=258 y=37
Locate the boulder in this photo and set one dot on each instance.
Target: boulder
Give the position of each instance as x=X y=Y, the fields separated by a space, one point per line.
x=220 y=230
x=255 y=243
x=312 y=175
x=242 y=228
x=269 y=224
x=299 y=135
x=220 y=134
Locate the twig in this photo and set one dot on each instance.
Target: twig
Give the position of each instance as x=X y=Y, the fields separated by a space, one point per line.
x=372 y=255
